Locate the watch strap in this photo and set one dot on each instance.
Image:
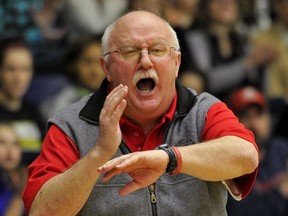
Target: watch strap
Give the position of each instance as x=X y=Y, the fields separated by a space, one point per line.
x=172 y=164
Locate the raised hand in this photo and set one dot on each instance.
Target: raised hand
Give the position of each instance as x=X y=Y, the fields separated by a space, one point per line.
x=114 y=106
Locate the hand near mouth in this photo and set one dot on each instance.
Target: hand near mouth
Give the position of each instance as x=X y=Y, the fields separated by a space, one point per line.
x=114 y=106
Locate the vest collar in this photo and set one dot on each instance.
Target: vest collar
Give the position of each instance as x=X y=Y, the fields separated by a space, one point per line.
x=91 y=111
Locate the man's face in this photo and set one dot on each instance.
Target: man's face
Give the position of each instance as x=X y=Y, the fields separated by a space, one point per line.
x=150 y=81
x=16 y=73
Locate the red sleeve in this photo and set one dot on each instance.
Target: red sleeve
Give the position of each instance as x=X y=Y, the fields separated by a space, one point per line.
x=220 y=121
x=58 y=153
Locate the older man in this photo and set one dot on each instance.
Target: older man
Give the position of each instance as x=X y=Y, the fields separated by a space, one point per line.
x=137 y=109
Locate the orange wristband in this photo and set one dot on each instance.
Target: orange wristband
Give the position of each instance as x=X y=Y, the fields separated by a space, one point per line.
x=178 y=159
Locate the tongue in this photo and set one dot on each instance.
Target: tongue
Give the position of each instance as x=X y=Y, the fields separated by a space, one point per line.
x=145 y=85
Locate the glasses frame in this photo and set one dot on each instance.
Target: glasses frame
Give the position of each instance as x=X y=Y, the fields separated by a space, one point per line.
x=140 y=52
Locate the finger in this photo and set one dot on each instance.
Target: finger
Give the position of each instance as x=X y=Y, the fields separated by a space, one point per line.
x=112 y=163
x=129 y=188
x=110 y=95
x=117 y=166
x=115 y=96
x=109 y=175
x=109 y=165
x=115 y=104
x=119 y=110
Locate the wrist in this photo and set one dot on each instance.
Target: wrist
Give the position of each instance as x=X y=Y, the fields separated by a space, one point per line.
x=175 y=159
x=99 y=152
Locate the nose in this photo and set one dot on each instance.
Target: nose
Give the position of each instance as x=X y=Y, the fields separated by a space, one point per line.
x=145 y=61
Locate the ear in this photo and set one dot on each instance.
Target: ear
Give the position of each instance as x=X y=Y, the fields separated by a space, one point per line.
x=177 y=63
x=105 y=68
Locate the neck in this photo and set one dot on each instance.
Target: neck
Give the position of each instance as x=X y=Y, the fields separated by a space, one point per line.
x=10 y=103
x=147 y=120
x=146 y=124
x=222 y=34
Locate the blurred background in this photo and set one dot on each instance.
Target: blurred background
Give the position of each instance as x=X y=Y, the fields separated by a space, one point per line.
x=235 y=50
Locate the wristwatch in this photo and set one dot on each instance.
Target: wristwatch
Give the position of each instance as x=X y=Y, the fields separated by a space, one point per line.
x=172 y=164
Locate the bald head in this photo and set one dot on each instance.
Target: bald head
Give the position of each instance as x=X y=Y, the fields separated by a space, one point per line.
x=135 y=24
x=139 y=17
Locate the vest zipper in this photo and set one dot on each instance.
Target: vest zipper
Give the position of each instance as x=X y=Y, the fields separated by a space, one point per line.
x=125 y=150
x=153 y=199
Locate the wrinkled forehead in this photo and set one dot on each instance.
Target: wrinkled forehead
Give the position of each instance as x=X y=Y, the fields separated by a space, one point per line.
x=139 y=27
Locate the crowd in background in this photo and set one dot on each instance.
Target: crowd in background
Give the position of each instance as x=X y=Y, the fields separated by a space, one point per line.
x=235 y=50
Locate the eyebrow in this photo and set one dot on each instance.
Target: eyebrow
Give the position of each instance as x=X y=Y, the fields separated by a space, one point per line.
x=138 y=43
x=149 y=45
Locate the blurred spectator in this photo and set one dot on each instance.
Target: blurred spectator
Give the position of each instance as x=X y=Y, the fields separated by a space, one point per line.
x=48 y=52
x=40 y=24
x=48 y=20
x=82 y=63
x=221 y=51
x=12 y=175
x=249 y=14
x=153 y=6
x=255 y=14
x=91 y=17
x=276 y=87
x=181 y=15
x=16 y=72
x=16 y=19
x=276 y=38
x=270 y=193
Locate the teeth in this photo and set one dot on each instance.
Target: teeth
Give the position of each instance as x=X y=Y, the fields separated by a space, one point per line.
x=144 y=74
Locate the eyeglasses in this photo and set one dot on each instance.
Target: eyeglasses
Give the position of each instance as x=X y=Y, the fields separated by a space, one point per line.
x=132 y=54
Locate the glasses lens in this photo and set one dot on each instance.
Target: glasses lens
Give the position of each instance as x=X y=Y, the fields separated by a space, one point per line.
x=129 y=53
x=159 y=50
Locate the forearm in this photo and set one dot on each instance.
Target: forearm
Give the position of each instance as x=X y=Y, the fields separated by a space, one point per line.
x=224 y=158
x=66 y=193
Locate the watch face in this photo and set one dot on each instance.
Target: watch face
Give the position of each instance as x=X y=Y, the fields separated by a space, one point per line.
x=165 y=145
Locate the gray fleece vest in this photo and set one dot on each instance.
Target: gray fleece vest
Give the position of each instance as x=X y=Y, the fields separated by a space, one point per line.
x=179 y=195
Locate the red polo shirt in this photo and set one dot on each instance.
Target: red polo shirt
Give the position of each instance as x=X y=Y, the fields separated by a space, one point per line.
x=59 y=152
x=135 y=138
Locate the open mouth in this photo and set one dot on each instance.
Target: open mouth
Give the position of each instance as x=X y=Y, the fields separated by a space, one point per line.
x=145 y=81
x=146 y=85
